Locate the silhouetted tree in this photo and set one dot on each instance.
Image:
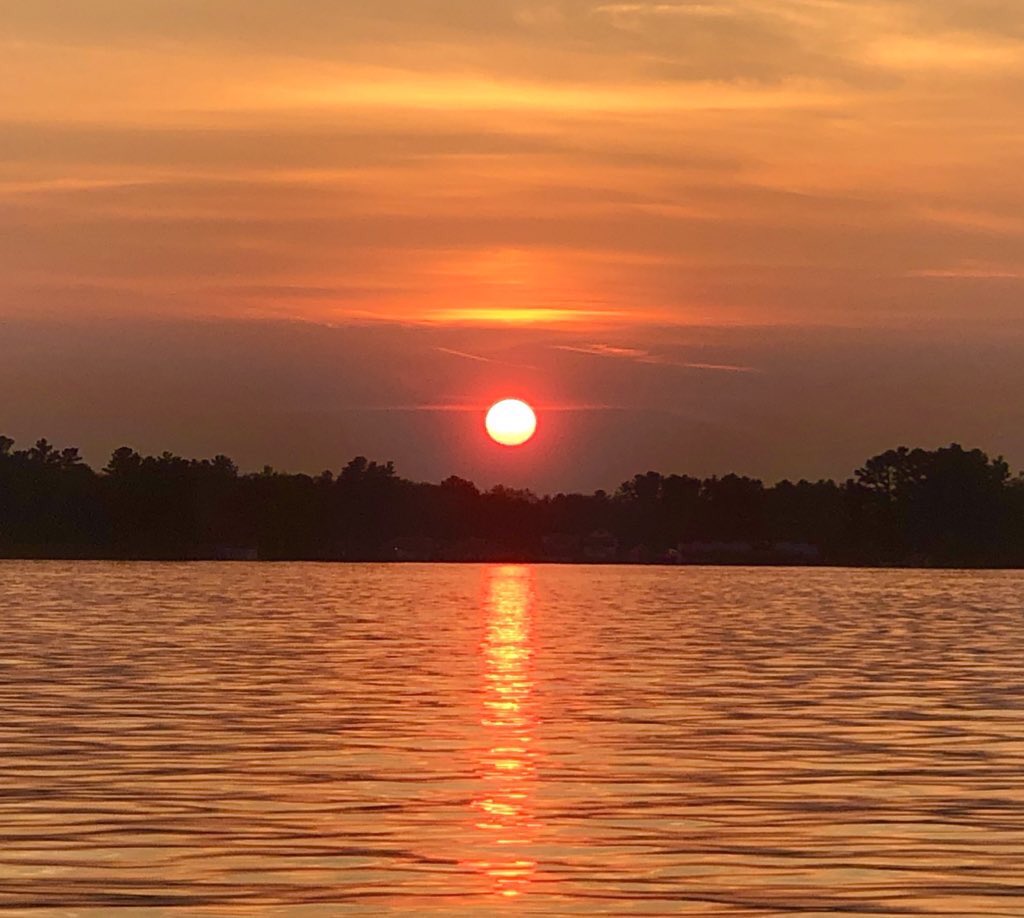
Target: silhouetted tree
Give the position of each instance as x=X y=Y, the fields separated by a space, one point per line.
x=948 y=506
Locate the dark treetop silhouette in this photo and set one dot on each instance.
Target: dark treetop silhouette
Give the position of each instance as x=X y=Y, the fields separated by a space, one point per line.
x=945 y=507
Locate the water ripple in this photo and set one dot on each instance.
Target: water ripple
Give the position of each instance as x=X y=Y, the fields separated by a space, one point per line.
x=298 y=739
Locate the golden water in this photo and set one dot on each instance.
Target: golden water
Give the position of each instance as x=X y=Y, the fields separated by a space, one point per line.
x=320 y=739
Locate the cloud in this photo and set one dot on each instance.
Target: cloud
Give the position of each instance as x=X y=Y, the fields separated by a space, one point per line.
x=464 y=355
x=537 y=162
x=970 y=272
x=639 y=355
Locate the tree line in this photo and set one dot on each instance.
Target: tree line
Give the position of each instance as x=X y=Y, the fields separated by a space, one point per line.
x=945 y=507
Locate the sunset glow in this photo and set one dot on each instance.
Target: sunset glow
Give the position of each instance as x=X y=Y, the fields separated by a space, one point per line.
x=512 y=458
x=676 y=160
x=735 y=223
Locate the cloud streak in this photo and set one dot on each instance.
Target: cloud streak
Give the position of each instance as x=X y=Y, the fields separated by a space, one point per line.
x=454 y=353
x=638 y=355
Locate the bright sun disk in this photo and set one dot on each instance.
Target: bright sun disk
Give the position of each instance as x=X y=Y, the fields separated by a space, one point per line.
x=510 y=422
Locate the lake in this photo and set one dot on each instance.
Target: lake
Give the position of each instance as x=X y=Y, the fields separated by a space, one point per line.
x=302 y=739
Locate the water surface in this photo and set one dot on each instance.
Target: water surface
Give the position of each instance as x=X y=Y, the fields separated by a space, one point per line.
x=311 y=740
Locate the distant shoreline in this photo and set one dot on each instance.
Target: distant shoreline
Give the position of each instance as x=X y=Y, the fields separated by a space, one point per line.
x=543 y=562
x=949 y=508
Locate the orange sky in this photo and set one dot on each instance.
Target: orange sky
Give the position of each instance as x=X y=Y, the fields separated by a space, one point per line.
x=603 y=176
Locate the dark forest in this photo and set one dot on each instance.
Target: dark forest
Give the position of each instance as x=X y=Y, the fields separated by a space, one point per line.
x=944 y=507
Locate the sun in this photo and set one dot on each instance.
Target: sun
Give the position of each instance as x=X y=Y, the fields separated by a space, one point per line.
x=511 y=422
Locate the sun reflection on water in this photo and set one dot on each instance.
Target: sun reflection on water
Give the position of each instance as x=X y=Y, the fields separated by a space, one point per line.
x=507 y=768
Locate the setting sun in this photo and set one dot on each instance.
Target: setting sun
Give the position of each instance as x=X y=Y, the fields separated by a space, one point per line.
x=511 y=422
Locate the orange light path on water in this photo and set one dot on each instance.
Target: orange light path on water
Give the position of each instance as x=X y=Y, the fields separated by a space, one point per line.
x=503 y=811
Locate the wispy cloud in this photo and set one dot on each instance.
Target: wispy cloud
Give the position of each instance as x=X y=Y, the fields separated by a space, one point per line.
x=975 y=272
x=667 y=9
x=607 y=350
x=465 y=355
x=523 y=315
x=479 y=358
x=448 y=94
x=638 y=355
x=481 y=407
